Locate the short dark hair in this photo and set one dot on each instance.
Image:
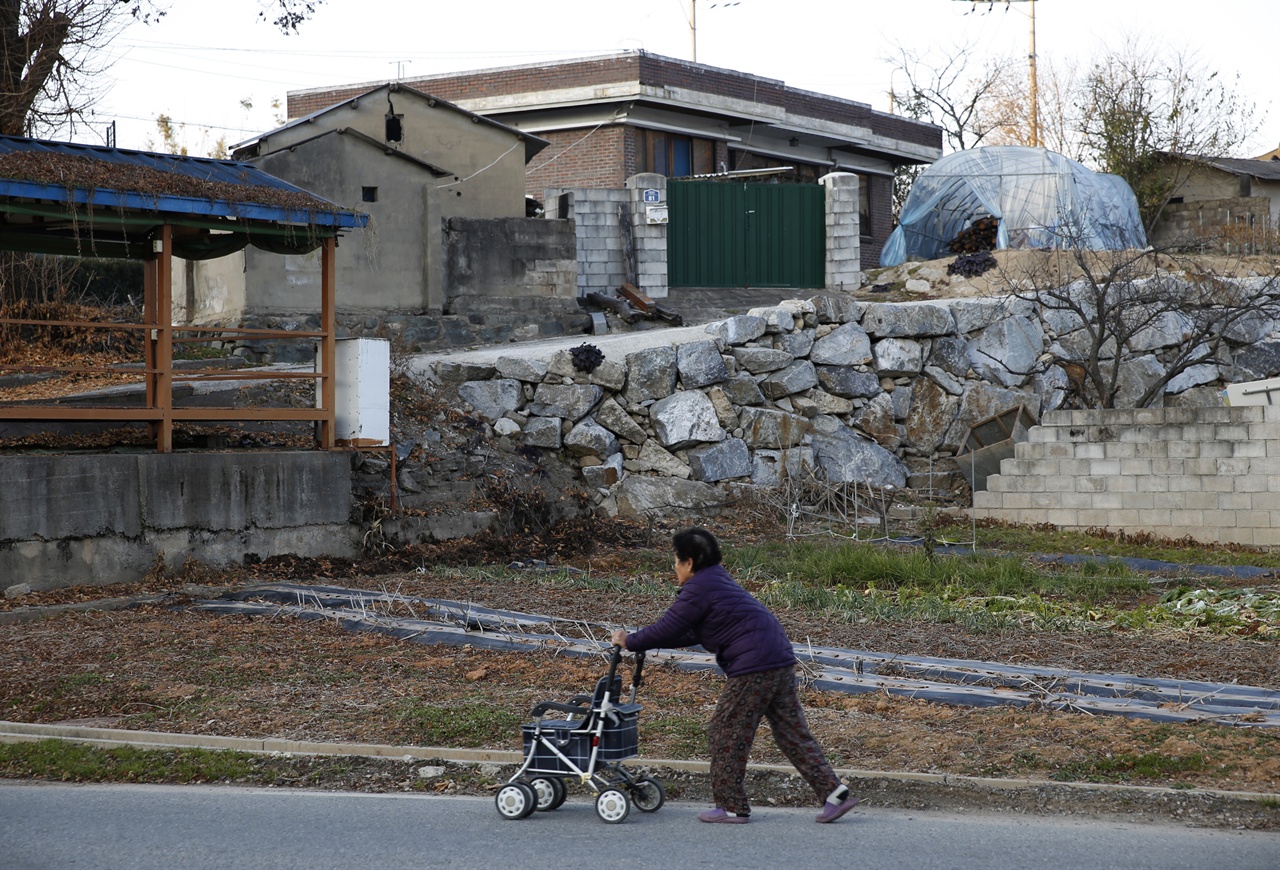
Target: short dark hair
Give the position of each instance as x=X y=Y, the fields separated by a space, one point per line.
x=697 y=544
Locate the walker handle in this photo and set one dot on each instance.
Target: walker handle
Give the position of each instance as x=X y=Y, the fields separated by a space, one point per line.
x=638 y=677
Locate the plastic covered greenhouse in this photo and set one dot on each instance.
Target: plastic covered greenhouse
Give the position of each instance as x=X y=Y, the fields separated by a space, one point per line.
x=1040 y=199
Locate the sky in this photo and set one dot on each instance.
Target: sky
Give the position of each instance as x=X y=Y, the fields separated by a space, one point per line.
x=207 y=61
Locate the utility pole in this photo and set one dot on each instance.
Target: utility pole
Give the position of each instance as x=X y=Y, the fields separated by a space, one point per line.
x=693 y=24
x=693 y=30
x=1033 y=113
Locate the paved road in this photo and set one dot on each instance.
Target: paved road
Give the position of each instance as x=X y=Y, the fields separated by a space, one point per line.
x=122 y=827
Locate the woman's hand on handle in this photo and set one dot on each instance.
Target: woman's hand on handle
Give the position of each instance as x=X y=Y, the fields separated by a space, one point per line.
x=619 y=638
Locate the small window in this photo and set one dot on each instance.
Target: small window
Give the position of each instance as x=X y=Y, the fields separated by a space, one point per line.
x=368 y=194
x=395 y=132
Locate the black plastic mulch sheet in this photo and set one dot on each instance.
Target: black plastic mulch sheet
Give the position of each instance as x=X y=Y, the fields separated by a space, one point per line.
x=950 y=681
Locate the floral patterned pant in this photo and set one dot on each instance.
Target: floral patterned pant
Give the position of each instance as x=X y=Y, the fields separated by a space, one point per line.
x=745 y=700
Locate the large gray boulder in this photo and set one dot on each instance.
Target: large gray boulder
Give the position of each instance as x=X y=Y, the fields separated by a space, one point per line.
x=771 y=428
x=590 y=438
x=1006 y=352
x=570 y=401
x=932 y=414
x=908 y=319
x=795 y=378
x=521 y=369
x=798 y=343
x=1136 y=376
x=896 y=357
x=721 y=461
x=614 y=417
x=742 y=389
x=651 y=374
x=543 y=432
x=641 y=497
x=848 y=382
x=699 y=364
x=737 y=330
x=772 y=467
x=847 y=345
x=779 y=318
x=655 y=459
x=971 y=315
x=843 y=456
x=493 y=398
x=685 y=418
x=759 y=360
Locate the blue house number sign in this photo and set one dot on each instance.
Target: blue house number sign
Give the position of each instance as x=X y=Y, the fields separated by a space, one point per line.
x=653 y=195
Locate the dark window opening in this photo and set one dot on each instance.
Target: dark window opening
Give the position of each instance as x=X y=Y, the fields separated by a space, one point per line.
x=864 y=205
x=368 y=194
x=395 y=132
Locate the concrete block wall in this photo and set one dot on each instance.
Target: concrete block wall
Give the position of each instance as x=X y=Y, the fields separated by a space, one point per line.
x=596 y=214
x=1208 y=473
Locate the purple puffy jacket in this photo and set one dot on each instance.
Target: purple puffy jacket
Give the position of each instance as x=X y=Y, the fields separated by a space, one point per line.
x=712 y=610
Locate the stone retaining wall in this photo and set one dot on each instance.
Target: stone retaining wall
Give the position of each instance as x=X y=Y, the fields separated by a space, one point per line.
x=855 y=392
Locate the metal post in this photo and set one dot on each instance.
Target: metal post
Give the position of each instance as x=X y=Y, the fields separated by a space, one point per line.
x=325 y=438
x=163 y=335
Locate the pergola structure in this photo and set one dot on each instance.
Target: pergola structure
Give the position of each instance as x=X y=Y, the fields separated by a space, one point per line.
x=93 y=201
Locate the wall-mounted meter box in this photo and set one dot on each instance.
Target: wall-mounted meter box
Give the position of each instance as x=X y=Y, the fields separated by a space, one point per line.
x=655 y=214
x=362 y=383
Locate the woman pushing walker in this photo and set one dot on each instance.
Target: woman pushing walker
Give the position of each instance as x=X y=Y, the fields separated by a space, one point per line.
x=756 y=656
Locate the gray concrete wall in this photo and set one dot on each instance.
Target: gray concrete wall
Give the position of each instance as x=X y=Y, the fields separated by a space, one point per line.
x=539 y=258
x=1210 y=474
x=94 y=519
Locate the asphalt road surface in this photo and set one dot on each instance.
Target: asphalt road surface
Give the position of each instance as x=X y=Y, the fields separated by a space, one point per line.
x=133 y=827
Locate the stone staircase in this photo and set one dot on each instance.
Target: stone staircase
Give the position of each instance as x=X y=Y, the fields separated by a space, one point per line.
x=1209 y=473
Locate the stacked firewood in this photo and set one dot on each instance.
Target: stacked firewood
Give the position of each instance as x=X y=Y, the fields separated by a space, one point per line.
x=978 y=236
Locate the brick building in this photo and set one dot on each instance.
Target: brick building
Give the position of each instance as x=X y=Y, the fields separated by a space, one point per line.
x=613 y=116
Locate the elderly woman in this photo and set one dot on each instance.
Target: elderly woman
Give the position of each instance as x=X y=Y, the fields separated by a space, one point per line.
x=752 y=649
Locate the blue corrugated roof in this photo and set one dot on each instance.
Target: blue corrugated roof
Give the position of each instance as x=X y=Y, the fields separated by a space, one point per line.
x=197 y=169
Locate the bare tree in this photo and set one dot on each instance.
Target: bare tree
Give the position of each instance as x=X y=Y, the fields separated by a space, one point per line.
x=52 y=52
x=1128 y=323
x=944 y=90
x=1140 y=111
x=1005 y=110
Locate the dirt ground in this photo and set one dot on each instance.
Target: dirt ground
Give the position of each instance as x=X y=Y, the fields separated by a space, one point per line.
x=161 y=666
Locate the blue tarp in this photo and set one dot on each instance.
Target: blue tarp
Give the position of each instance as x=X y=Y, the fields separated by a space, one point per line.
x=1041 y=200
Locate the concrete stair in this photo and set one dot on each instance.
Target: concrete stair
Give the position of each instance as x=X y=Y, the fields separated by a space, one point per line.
x=1211 y=473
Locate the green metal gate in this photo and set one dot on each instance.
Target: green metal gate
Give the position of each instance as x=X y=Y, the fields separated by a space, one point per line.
x=730 y=234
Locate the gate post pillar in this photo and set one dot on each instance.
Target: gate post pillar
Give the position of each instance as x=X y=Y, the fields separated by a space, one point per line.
x=844 y=251
x=649 y=232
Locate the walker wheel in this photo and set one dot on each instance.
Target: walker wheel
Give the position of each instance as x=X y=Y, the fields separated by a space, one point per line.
x=550 y=792
x=613 y=806
x=515 y=800
x=648 y=795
